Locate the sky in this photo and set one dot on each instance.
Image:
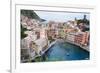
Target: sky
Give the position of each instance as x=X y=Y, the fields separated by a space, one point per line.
x=60 y=16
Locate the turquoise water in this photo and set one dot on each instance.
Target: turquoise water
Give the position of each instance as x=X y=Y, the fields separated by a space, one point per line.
x=66 y=51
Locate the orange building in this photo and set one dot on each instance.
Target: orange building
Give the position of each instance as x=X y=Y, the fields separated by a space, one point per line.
x=82 y=38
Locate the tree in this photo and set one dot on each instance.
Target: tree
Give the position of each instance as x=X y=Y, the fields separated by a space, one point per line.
x=23 y=35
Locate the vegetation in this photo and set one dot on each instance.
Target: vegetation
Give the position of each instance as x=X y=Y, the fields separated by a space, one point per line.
x=62 y=34
x=31 y=14
x=50 y=39
x=38 y=59
x=23 y=35
x=84 y=20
